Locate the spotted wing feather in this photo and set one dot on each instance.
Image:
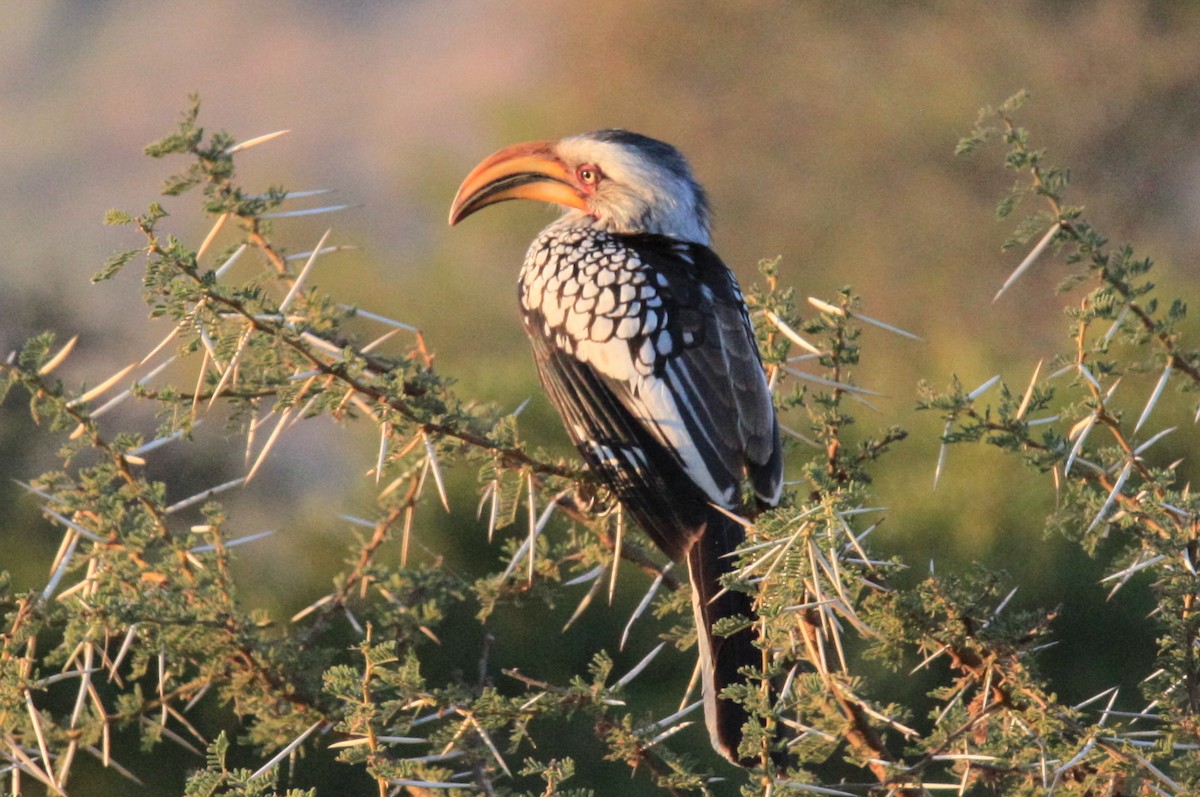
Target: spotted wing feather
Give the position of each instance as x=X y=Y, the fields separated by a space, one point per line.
x=661 y=328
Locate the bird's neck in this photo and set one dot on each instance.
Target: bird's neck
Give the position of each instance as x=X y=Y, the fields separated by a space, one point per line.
x=649 y=224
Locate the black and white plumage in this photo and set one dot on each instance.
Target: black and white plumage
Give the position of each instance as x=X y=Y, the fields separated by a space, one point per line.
x=643 y=344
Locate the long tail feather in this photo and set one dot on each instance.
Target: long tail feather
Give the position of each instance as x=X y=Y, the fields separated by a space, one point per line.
x=721 y=657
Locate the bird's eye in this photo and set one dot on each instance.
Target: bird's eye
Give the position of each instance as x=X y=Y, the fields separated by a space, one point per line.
x=588 y=174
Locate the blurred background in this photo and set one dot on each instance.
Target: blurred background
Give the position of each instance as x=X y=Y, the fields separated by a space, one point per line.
x=824 y=132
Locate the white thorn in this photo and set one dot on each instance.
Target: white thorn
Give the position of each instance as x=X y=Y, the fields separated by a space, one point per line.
x=286 y=751
x=237 y=253
x=287 y=214
x=826 y=307
x=888 y=327
x=212 y=235
x=941 y=460
x=254 y=142
x=1029 y=391
x=641 y=665
x=57 y=359
x=436 y=469
x=1112 y=496
x=1030 y=259
x=102 y=387
x=262 y=455
x=295 y=289
x=1154 y=396
x=979 y=391
x=381 y=319
x=791 y=334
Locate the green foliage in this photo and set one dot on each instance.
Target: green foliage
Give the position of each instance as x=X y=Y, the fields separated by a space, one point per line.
x=141 y=618
x=216 y=779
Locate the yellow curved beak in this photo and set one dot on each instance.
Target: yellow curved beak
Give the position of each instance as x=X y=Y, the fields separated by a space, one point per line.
x=521 y=171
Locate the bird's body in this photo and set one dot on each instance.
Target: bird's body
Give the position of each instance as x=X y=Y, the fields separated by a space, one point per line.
x=644 y=346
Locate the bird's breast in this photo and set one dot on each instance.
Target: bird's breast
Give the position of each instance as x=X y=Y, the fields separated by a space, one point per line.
x=593 y=297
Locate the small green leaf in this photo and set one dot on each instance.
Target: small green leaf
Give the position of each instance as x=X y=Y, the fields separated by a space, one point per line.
x=115 y=264
x=968 y=144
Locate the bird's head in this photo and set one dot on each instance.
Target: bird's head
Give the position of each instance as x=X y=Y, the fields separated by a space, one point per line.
x=608 y=179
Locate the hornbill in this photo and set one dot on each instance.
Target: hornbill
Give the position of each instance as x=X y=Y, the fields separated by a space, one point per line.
x=644 y=346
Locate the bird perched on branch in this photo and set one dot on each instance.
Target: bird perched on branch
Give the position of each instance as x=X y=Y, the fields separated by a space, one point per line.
x=644 y=346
